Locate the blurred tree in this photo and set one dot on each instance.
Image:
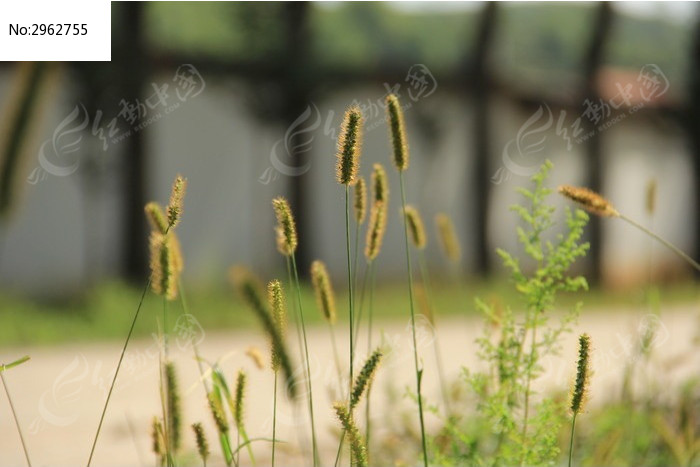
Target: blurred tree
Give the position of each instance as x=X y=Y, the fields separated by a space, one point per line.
x=594 y=167
x=481 y=177
x=20 y=116
x=693 y=127
x=131 y=73
x=297 y=81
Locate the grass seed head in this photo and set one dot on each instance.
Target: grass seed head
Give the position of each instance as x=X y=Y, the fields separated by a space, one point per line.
x=157 y=440
x=217 y=410
x=156 y=217
x=415 y=227
x=286 y=227
x=651 y=197
x=589 y=200
x=173 y=405
x=164 y=265
x=240 y=398
x=254 y=354
x=364 y=379
x=324 y=290
x=250 y=289
x=380 y=186
x=360 y=201
x=177 y=196
x=275 y=297
x=349 y=141
x=357 y=444
x=448 y=238
x=201 y=441
x=376 y=230
x=579 y=395
x=398 y=132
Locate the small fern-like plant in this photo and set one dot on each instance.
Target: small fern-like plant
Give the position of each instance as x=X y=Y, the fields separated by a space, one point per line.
x=514 y=344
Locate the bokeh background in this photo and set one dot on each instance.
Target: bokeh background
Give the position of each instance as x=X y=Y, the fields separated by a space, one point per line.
x=245 y=100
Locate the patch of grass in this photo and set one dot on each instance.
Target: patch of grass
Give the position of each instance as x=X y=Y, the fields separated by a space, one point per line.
x=105 y=312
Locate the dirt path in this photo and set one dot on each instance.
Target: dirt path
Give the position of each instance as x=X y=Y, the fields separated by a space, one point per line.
x=59 y=394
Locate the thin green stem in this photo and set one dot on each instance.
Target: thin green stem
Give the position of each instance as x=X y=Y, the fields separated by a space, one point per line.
x=337 y=360
x=340 y=448
x=370 y=311
x=163 y=389
x=308 y=365
x=368 y=276
x=370 y=314
x=298 y=327
x=226 y=448
x=436 y=342
x=528 y=380
x=274 y=420
x=14 y=416
x=116 y=373
x=165 y=327
x=356 y=253
x=571 y=441
x=668 y=244
x=350 y=297
x=350 y=291
x=361 y=303
x=238 y=445
x=295 y=316
x=419 y=371
x=195 y=348
x=243 y=433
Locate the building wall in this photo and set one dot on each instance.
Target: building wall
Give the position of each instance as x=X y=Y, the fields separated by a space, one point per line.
x=65 y=230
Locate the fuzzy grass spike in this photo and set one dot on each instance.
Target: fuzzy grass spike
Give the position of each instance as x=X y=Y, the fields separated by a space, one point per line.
x=349 y=141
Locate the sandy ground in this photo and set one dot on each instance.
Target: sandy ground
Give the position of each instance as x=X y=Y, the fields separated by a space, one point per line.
x=59 y=394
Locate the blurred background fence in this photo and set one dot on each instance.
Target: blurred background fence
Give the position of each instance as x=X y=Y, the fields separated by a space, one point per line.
x=245 y=100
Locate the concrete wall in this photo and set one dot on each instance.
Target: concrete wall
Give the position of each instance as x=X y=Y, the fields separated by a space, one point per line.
x=64 y=230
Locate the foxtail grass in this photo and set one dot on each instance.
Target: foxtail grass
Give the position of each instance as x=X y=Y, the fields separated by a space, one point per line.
x=249 y=288
x=449 y=244
x=596 y=204
x=287 y=242
x=173 y=266
x=361 y=385
x=275 y=297
x=174 y=408
x=238 y=410
x=364 y=378
x=4 y=367
x=256 y=357
x=373 y=243
x=400 y=157
x=201 y=442
x=216 y=407
x=375 y=235
x=157 y=441
x=579 y=393
x=357 y=445
x=348 y=162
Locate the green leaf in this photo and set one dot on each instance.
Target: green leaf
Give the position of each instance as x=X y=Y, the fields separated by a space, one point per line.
x=17 y=362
